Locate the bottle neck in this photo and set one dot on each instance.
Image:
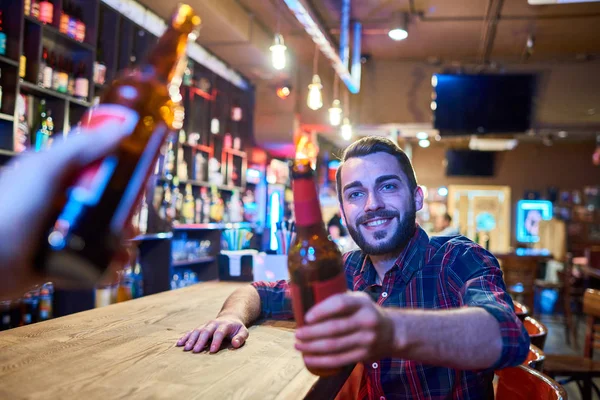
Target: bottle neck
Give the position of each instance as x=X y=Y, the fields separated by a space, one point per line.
x=307 y=208
x=167 y=53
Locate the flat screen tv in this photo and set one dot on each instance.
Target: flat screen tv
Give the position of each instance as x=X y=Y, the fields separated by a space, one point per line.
x=480 y=104
x=470 y=163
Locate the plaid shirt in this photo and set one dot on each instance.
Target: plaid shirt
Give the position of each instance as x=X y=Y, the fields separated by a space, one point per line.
x=436 y=273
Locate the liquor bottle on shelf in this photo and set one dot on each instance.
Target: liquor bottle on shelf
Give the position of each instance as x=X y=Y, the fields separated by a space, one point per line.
x=45 y=298
x=35 y=9
x=189 y=208
x=199 y=167
x=46 y=12
x=42 y=135
x=79 y=25
x=22 y=66
x=182 y=169
x=2 y=35
x=217 y=207
x=82 y=83
x=45 y=71
x=80 y=244
x=205 y=205
x=198 y=211
x=30 y=307
x=72 y=27
x=173 y=212
x=63 y=76
x=71 y=73
x=99 y=67
x=315 y=263
x=143 y=222
x=55 y=71
x=165 y=204
x=188 y=75
x=169 y=168
x=27 y=7
x=63 y=26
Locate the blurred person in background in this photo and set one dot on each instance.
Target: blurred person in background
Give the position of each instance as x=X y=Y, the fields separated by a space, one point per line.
x=443 y=226
x=339 y=234
x=30 y=184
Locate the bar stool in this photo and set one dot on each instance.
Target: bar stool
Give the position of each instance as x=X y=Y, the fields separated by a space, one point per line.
x=525 y=383
x=535 y=358
x=537 y=332
x=519 y=275
x=520 y=310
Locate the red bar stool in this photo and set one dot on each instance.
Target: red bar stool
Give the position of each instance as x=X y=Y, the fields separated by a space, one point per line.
x=525 y=383
x=537 y=332
x=521 y=310
x=535 y=358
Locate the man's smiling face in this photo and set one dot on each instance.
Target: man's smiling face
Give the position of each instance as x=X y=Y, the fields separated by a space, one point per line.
x=378 y=205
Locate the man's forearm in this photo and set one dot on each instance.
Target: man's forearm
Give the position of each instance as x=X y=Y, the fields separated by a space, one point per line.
x=467 y=338
x=244 y=304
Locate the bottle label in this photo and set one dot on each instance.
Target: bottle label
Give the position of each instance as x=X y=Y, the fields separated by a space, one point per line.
x=315 y=293
x=63 y=82
x=82 y=87
x=307 y=208
x=47 y=77
x=79 y=31
x=46 y=12
x=35 y=9
x=2 y=43
x=64 y=23
x=72 y=29
x=55 y=80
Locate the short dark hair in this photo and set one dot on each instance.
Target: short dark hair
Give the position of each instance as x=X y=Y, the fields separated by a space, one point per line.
x=376 y=144
x=448 y=218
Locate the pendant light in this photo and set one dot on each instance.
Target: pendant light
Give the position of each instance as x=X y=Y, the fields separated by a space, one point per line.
x=335 y=112
x=346 y=129
x=399 y=29
x=315 y=97
x=278 y=50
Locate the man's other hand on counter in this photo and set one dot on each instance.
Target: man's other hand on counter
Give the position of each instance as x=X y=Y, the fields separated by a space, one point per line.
x=218 y=329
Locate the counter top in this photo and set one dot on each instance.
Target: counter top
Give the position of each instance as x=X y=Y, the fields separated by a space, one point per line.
x=128 y=350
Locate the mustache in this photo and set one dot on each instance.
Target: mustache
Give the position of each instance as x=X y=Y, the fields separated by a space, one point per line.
x=376 y=214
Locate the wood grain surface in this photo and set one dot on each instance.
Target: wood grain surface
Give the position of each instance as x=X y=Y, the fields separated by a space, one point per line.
x=127 y=350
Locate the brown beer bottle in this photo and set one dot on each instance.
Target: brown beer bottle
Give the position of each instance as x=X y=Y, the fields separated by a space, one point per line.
x=315 y=263
x=87 y=229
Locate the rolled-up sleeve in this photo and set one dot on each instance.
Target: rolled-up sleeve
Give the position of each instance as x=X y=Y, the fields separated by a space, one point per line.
x=274 y=299
x=483 y=286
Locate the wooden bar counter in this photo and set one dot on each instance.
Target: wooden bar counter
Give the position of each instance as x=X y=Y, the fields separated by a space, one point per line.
x=128 y=350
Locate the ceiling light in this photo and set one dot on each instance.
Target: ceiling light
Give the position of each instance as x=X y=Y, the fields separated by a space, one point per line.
x=346 y=130
x=283 y=92
x=438 y=138
x=562 y=134
x=422 y=135
x=443 y=191
x=424 y=143
x=335 y=113
x=315 y=97
x=433 y=106
x=278 y=52
x=492 y=144
x=399 y=29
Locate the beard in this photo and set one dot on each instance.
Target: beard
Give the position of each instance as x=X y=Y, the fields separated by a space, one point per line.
x=396 y=240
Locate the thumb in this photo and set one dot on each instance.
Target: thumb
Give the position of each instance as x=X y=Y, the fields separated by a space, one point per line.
x=240 y=338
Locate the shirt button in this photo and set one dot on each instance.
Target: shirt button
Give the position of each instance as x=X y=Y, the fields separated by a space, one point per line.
x=384 y=295
x=374 y=365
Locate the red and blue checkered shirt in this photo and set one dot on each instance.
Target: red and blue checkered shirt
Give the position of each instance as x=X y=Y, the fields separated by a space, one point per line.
x=437 y=273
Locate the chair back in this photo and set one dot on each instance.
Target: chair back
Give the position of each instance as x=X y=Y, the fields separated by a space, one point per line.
x=525 y=383
x=535 y=358
x=519 y=275
x=521 y=310
x=537 y=332
x=591 y=307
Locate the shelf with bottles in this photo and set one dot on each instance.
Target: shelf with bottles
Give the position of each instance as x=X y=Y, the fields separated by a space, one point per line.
x=34 y=306
x=28 y=87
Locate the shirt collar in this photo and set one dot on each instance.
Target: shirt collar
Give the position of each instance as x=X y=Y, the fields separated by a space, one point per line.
x=408 y=262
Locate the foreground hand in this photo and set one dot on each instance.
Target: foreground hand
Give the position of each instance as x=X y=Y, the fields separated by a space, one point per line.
x=217 y=330
x=344 y=329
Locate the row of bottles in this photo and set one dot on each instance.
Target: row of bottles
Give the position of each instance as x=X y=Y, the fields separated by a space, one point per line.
x=34 y=306
x=183 y=208
x=58 y=73
x=71 y=17
x=128 y=285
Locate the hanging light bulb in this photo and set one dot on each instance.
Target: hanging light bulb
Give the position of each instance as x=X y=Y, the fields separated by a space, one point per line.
x=335 y=113
x=399 y=29
x=278 y=52
x=315 y=97
x=346 y=130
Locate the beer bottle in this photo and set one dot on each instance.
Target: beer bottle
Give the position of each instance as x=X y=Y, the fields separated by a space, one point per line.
x=314 y=262
x=83 y=238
